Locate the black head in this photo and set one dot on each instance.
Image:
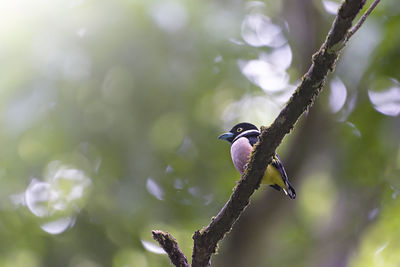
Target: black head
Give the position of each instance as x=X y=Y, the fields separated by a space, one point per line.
x=239 y=129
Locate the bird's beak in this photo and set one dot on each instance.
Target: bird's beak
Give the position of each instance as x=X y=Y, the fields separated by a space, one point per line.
x=226 y=136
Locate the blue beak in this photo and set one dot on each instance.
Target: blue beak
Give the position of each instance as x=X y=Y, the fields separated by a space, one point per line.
x=226 y=137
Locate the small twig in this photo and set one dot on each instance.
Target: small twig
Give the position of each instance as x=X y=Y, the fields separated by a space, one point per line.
x=169 y=244
x=362 y=20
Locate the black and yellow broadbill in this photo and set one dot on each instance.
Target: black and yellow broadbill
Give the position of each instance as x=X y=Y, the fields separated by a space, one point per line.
x=243 y=137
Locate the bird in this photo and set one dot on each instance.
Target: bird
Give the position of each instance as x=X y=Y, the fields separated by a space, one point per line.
x=243 y=137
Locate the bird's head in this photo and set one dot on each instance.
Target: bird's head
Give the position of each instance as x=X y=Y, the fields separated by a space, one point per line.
x=239 y=130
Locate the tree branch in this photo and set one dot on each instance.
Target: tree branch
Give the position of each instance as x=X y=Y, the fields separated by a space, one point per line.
x=206 y=240
x=169 y=244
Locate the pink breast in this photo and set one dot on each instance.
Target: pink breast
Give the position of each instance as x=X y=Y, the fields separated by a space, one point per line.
x=240 y=152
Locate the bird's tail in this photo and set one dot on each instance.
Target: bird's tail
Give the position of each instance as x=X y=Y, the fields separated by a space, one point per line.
x=289 y=190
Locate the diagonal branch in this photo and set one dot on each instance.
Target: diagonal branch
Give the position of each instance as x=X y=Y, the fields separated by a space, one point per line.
x=323 y=62
x=206 y=240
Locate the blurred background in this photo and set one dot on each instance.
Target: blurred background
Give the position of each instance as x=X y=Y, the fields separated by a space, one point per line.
x=110 y=112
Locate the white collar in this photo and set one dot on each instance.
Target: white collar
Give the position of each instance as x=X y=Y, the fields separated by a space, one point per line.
x=254 y=131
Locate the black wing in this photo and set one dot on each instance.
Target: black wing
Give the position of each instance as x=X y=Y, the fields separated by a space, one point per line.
x=276 y=162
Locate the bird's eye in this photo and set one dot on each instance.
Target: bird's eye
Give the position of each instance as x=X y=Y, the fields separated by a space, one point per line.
x=239 y=130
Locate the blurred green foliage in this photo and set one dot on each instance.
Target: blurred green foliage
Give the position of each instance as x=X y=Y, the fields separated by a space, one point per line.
x=110 y=112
